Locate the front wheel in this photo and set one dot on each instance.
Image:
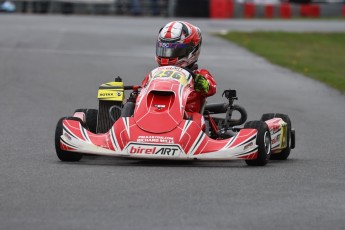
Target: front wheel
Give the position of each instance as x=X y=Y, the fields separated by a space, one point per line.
x=263 y=140
x=61 y=154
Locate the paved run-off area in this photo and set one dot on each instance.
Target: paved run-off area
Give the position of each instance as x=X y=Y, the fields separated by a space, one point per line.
x=51 y=65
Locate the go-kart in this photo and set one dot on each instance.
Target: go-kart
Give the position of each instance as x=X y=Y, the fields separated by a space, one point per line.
x=153 y=124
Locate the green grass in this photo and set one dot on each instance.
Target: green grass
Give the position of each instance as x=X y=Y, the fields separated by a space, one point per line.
x=317 y=55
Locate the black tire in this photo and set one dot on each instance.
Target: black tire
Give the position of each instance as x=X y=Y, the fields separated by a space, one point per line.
x=263 y=140
x=61 y=154
x=128 y=109
x=91 y=118
x=104 y=122
x=267 y=116
x=284 y=154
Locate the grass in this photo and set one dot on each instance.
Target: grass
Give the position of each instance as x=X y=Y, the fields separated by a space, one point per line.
x=317 y=55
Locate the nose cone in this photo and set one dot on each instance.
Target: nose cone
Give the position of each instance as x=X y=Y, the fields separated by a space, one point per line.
x=158 y=114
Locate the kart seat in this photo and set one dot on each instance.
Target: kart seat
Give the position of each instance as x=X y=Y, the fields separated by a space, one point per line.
x=215 y=108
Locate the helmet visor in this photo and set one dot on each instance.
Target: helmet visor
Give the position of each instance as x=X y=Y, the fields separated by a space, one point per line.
x=172 y=50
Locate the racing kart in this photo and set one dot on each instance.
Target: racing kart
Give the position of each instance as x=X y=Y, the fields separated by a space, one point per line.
x=153 y=124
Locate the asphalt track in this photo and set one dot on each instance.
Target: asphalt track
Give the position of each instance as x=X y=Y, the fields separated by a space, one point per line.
x=51 y=65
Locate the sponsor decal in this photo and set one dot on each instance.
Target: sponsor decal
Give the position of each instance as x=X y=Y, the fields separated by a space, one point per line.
x=172 y=45
x=248 y=145
x=275 y=129
x=159 y=106
x=171 y=74
x=155 y=139
x=135 y=149
x=107 y=94
x=275 y=140
x=165 y=45
x=68 y=136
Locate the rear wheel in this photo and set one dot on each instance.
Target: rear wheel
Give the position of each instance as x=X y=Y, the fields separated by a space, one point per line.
x=263 y=140
x=61 y=154
x=284 y=154
x=90 y=118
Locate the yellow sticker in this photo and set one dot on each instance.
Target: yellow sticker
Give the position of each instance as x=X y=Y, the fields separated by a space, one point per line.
x=110 y=95
x=171 y=74
x=111 y=91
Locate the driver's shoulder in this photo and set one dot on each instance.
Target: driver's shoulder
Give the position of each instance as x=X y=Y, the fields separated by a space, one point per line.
x=203 y=72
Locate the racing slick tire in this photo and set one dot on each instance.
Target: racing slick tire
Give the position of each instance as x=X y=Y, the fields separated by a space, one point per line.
x=284 y=154
x=90 y=118
x=61 y=154
x=263 y=140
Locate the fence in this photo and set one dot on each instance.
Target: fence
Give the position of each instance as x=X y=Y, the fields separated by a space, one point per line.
x=221 y=9
x=104 y=7
x=217 y=9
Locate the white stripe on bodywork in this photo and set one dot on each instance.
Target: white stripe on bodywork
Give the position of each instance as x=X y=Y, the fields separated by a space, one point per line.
x=180 y=97
x=229 y=142
x=84 y=133
x=226 y=154
x=232 y=140
x=185 y=127
x=196 y=143
x=66 y=142
x=114 y=139
x=126 y=123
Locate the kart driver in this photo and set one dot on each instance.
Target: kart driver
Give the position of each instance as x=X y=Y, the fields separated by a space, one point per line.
x=179 y=44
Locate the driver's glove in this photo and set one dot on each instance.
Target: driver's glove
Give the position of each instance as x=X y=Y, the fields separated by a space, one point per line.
x=201 y=84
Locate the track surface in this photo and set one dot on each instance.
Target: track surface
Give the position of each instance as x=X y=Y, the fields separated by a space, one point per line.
x=51 y=65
